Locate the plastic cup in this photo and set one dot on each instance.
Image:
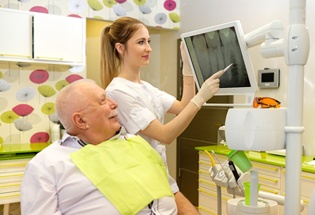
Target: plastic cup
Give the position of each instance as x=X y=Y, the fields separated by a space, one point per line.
x=247 y=192
x=240 y=160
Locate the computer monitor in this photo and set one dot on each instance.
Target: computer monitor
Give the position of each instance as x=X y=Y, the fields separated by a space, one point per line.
x=212 y=49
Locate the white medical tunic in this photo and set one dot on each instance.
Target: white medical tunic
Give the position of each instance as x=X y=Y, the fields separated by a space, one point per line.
x=138 y=106
x=53 y=185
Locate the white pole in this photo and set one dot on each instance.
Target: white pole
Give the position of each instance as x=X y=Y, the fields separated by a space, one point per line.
x=293 y=142
x=296 y=54
x=253 y=188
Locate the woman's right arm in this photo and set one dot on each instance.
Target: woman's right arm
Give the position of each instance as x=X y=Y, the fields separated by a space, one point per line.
x=168 y=132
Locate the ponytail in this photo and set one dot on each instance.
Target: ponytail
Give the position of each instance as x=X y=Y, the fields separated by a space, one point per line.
x=108 y=59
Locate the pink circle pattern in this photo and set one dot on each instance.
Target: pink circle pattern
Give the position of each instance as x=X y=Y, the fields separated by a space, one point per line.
x=39 y=76
x=40 y=137
x=169 y=5
x=23 y=109
x=39 y=9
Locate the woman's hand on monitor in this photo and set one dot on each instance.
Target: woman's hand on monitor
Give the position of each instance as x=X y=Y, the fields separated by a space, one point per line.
x=186 y=66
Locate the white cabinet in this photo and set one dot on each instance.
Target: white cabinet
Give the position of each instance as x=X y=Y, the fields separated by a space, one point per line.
x=42 y=38
x=268 y=177
x=11 y=175
x=59 y=38
x=16 y=35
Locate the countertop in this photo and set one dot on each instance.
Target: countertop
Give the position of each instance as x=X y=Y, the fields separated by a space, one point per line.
x=261 y=157
x=19 y=151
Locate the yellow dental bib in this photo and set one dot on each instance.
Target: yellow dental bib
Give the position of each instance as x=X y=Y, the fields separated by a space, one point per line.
x=129 y=172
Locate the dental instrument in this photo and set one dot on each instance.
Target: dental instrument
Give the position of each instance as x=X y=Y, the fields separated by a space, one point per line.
x=226 y=69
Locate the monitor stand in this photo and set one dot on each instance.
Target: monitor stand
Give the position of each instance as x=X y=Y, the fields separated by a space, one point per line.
x=241 y=100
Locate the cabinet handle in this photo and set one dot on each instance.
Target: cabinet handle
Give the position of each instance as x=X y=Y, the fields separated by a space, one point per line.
x=206 y=192
x=13 y=175
x=269 y=191
x=265 y=167
x=9 y=196
x=206 y=210
x=211 y=194
x=206 y=182
x=49 y=58
x=308 y=177
x=303 y=176
x=203 y=171
x=203 y=162
x=15 y=55
x=10 y=185
x=4 y=166
x=269 y=179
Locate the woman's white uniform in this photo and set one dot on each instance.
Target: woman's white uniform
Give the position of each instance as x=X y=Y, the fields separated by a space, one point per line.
x=138 y=106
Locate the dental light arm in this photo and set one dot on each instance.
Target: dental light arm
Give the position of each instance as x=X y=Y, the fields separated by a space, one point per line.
x=270 y=37
x=272 y=30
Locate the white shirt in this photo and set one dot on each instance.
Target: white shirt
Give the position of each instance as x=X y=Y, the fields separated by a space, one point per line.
x=53 y=185
x=138 y=106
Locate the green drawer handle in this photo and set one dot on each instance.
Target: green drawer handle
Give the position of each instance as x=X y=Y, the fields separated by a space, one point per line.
x=206 y=182
x=264 y=167
x=9 y=196
x=203 y=162
x=13 y=175
x=210 y=194
x=49 y=58
x=269 y=179
x=203 y=171
x=308 y=177
x=12 y=165
x=206 y=210
x=15 y=55
x=10 y=185
x=269 y=191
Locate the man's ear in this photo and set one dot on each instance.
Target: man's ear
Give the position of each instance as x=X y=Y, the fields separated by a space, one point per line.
x=120 y=48
x=79 y=121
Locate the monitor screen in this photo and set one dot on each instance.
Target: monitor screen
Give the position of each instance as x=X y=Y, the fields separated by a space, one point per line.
x=214 y=48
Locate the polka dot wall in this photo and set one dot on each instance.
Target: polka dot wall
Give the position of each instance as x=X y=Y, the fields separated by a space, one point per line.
x=156 y=13
x=28 y=91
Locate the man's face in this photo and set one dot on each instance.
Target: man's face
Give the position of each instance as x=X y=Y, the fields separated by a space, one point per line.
x=100 y=114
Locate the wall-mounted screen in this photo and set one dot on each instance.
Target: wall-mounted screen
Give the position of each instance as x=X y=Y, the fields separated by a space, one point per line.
x=212 y=49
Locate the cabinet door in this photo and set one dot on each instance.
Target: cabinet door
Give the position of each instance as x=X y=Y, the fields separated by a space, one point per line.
x=16 y=35
x=59 y=38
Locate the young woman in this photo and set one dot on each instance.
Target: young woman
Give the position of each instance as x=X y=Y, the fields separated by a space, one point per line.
x=125 y=48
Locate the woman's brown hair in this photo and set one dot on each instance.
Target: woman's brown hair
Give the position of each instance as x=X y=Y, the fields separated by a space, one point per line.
x=119 y=31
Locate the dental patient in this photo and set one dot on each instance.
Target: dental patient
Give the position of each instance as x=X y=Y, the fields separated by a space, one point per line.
x=96 y=168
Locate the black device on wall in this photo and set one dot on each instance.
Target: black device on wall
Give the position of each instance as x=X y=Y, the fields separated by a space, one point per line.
x=269 y=78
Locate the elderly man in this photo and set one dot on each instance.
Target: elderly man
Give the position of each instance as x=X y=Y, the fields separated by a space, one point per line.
x=96 y=168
